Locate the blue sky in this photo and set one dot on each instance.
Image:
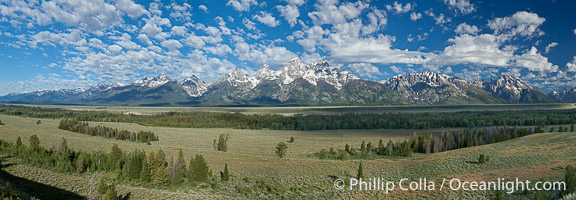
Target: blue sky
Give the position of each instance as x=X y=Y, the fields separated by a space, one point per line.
x=69 y=43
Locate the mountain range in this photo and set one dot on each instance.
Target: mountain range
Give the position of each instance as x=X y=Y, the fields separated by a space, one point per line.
x=296 y=83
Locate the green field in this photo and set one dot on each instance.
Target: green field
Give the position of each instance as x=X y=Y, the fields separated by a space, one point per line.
x=300 y=174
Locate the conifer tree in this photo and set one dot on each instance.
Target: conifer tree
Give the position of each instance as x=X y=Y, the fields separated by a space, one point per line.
x=225 y=174
x=347 y=148
x=34 y=143
x=572 y=128
x=145 y=176
x=390 y=147
x=161 y=158
x=281 y=149
x=360 y=173
x=198 y=169
x=134 y=167
x=369 y=147
x=381 y=147
x=115 y=156
x=172 y=168
x=363 y=146
x=223 y=142
x=1 y=123
x=159 y=174
x=482 y=159
x=63 y=147
x=180 y=167
x=570 y=180
x=161 y=177
x=291 y=140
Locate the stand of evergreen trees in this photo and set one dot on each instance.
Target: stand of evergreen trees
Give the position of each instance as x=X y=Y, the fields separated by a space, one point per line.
x=150 y=169
x=103 y=131
x=427 y=143
x=313 y=122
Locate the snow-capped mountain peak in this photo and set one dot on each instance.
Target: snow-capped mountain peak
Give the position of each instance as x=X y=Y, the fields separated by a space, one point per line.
x=504 y=85
x=193 y=86
x=431 y=87
x=513 y=89
x=265 y=73
x=153 y=82
x=292 y=71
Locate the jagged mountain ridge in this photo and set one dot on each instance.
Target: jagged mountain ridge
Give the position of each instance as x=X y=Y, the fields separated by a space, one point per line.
x=296 y=83
x=567 y=95
x=434 y=88
x=513 y=90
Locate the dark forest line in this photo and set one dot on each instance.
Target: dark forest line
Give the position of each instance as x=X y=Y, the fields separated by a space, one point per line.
x=313 y=121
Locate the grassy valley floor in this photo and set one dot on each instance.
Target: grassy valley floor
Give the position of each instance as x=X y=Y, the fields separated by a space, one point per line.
x=252 y=161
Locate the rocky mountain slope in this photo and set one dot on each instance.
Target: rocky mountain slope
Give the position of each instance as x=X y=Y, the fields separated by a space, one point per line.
x=434 y=88
x=298 y=83
x=567 y=95
x=513 y=90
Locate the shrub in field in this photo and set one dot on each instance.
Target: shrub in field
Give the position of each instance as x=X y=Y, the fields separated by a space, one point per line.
x=281 y=149
x=482 y=159
x=291 y=139
x=102 y=187
x=323 y=154
x=1 y=123
x=38 y=122
x=111 y=193
x=343 y=155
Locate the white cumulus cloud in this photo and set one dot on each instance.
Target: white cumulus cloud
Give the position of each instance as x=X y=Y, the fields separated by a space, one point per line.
x=242 y=5
x=415 y=16
x=571 y=65
x=398 y=8
x=464 y=28
x=267 y=19
x=550 y=46
x=290 y=13
x=461 y=6
x=521 y=23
